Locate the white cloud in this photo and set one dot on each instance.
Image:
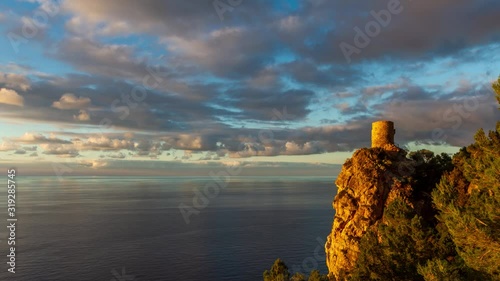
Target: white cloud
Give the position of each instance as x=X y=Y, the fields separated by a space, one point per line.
x=11 y=97
x=70 y=101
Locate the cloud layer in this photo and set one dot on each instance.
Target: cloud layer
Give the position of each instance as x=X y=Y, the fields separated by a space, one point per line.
x=144 y=79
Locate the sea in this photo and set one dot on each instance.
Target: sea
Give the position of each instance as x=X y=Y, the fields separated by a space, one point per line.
x=132 y=228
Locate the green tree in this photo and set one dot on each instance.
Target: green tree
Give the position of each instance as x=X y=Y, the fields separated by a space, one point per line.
x=298 y=277
x=316 y=276
x=496 y=88
x=428 y=171
x=278 y=272
x=468 y=201
x=393 y=249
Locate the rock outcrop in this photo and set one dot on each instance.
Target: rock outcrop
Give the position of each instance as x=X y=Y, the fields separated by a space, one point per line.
x=368 y=182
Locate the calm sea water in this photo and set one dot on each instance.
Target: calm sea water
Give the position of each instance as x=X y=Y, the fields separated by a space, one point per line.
x=130 y=228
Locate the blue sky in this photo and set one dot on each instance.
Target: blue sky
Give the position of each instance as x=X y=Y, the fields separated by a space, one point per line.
x=103 y=86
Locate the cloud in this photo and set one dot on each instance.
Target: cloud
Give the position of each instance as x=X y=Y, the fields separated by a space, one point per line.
x=11 y=97
x=406 y=35
x=82 y=116
x=8 y=146
x=152 y=17
x=270 y=105
x=104 y=143
x=215 y=82
x=15 y=81
x=231 y=163
x=281 y=147
x=33 y=138
x=191 y=142
x=442 y=121
x=93 y=164
x=221 y=51
x=70 y=101
x=119 y=155
x=30 y=148
x=104 y=59
x=312 y=147
x=60 y=150
x=20 y=151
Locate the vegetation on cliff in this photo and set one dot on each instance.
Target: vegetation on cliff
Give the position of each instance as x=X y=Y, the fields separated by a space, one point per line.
x=407 y=234
x=279 y=272
x=415 y=216
x=461 y=240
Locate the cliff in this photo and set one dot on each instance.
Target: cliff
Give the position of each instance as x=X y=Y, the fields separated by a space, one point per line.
x=368 y=182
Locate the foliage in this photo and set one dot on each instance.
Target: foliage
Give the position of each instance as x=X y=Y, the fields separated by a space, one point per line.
x=298 y=277
x=316 y=276
x=393 y=249
x=468 y=200
x=456 y=238
x=496 y=88
x=279 y=272
x=427 y=172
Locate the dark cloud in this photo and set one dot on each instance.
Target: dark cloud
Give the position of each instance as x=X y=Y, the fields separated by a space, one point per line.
x=409 y=34
x=434 y=119
x=269 y=105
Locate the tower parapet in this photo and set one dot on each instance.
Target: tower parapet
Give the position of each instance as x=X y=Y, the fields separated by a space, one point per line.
x=383 y=133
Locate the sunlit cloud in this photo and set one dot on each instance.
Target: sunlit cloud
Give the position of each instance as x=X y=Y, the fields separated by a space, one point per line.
x=70 y=101
x=8 y=96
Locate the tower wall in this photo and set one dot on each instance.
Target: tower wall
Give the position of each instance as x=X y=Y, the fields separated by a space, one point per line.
x=382 y=133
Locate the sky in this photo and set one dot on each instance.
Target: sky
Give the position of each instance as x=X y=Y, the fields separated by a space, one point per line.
x=281 y=87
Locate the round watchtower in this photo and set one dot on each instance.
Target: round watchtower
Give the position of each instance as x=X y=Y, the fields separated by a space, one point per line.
x=382 y=133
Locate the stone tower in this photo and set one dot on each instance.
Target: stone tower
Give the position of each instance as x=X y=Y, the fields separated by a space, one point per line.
x=382 y=133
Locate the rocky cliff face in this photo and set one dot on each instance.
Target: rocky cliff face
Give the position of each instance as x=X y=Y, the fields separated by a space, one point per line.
x=368 y=182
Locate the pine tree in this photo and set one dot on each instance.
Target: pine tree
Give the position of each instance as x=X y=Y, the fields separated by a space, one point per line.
x=468 y=199
x=278 y=272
